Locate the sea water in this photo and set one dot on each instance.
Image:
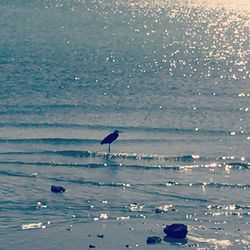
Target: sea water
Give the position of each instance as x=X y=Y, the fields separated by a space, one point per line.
x=173 y=76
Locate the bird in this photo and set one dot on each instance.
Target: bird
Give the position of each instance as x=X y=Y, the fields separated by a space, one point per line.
x=110 y=138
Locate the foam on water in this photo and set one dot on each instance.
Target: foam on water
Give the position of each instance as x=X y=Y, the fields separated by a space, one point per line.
x=217 y=243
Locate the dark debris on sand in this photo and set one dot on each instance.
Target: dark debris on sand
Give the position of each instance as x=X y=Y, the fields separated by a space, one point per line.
x=57 y=189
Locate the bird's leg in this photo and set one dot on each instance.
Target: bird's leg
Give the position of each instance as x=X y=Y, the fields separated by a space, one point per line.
x=109 y=148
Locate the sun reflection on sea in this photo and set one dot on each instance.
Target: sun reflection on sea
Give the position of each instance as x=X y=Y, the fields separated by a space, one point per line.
x=227 y=4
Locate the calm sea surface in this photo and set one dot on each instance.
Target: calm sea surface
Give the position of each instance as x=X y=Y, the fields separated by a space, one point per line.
x=174 y=76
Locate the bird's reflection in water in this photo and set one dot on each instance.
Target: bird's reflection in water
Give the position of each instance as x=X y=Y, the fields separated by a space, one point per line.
x=110 y=161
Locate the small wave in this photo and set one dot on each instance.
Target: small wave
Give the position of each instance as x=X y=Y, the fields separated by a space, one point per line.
x=111 y=128
x=88 y=182
x=222 y=185
x=53 y=164
x=204 y=162
x=129 y=156
x=211 y=185
x=235 y=165
x=54 y=141
x=66 y=180
x=16 y=174
x=229 y=207
x=238 y=165
x=89 y=165
x=146 y=161
x=105 y=155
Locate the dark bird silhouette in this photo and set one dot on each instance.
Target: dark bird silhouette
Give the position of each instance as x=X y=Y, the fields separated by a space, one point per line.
x=110 y=138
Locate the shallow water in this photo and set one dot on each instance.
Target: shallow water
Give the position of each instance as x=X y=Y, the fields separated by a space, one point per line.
x=173 y=76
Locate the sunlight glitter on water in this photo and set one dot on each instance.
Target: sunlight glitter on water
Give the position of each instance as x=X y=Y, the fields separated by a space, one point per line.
x=228 y=4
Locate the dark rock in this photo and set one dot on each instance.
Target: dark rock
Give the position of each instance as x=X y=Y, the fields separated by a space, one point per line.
x=100 y=235
x=92 y=246
x=153 y=240
x=158 y=211
x=57 y=189
x=178 y=231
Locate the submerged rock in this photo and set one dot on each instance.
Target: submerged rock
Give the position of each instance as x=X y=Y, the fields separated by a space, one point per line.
x=57 y=189
x=153 y=240
x=178 y=231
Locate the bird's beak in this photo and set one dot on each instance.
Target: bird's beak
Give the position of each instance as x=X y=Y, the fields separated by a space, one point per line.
x=120 y=132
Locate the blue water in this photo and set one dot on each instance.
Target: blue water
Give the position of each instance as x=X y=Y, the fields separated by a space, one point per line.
x=173 y=76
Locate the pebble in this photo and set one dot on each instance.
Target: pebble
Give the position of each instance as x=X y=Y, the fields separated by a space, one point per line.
x=57 y=189
x=153 y=240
